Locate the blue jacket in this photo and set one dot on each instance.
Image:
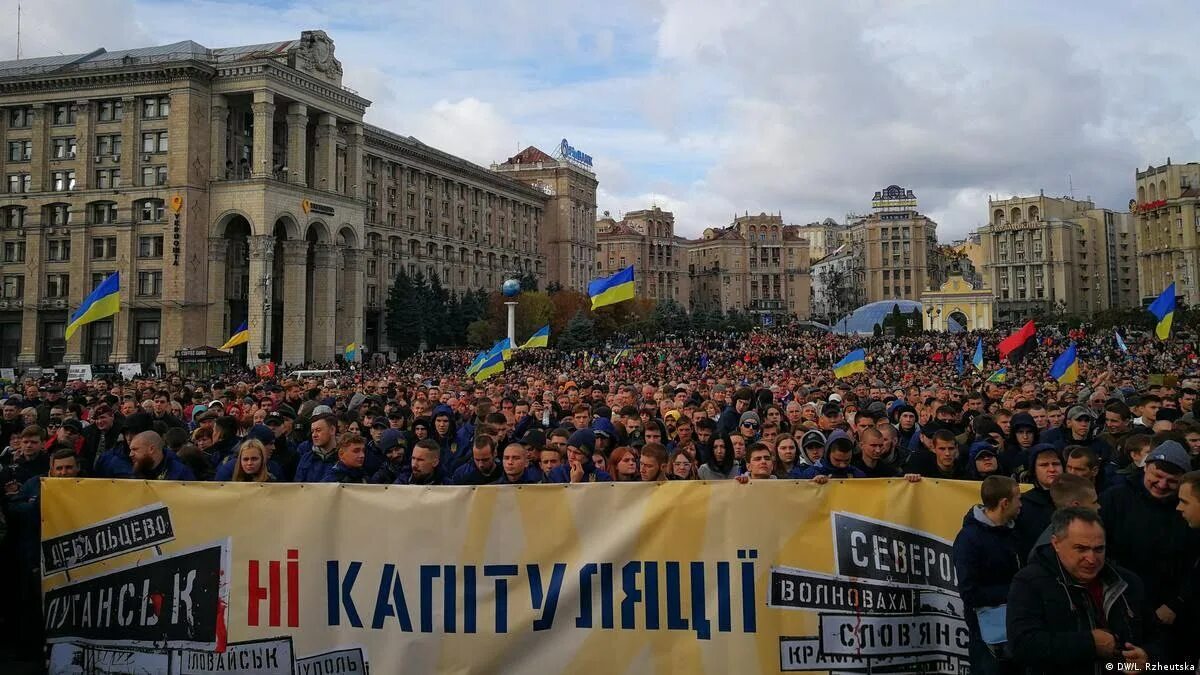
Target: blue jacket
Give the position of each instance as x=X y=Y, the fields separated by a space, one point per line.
x=114 y=462
x=469 y=474
x=340 y=473
x=171 y=468
x=562 y=474
x=806 y=472
x=530 y=477
x=25 y=523
x=438 y=478
x=985 y=561
x=313 y=467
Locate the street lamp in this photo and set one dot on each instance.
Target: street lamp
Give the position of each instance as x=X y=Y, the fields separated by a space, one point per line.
x=931 y=313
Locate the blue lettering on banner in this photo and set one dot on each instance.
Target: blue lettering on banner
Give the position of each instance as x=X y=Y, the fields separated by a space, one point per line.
x=573 y=154
x=639 y=587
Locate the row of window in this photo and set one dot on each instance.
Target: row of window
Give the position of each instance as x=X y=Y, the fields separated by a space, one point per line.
x=58 y=285
x=64 y=181
x=112 y=110
x=67 y=147
x=103 y=248
x=97 y=342
x=147 y=210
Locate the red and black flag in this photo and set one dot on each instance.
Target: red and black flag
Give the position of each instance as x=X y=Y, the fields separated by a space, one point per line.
x=1016 y=346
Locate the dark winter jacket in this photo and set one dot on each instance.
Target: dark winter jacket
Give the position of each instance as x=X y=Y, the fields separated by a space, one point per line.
x=531 y=476
x=1036 y=510
x=985 y=561
x=1148 y=537
x=469 y=474
x=170 y=468
x=803 y=472
x=438 y=477
x=1050 y=617
x=562 y=473
x=314 y=465
x=340 y=473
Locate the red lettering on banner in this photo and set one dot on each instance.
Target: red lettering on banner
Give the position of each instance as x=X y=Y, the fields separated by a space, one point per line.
x=272 y=593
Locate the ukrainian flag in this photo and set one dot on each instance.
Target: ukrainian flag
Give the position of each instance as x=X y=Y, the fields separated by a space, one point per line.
x=240 y=337
x=100 y=303
x=539 y=339
x=504 y=347
x=1066 y=367
x=977 y=360
x=999 y=376
x=1163 y=309
x=476 y=363
x=494 y=363
x=855 y=362
x=351 y=351
x=611 y=290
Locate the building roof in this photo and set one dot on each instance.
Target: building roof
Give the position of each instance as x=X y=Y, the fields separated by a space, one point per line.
x=530 y=155
x=619 y=230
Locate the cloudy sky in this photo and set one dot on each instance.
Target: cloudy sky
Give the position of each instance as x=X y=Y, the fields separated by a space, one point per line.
x=715 y=107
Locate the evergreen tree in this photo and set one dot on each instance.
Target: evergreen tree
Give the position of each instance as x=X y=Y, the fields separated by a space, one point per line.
x=437 y=331
x=529 y=282
x=403 y=320
x=579 y=333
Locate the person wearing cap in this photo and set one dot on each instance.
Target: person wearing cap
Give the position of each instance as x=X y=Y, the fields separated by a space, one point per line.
x=732 y=416
x=579 y=467
x=748 y=426
x=839 y=451
x=1036 y=504
x=396 y=463
x=983 y=460
x=1147 y=535
x=1079 y=428
x=280 y=421
x=812 y=449
x=98 y=437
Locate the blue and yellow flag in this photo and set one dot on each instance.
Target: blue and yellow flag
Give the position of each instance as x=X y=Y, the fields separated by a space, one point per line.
x=977 y=360
x=241 y=335
x=1066 y=367
x=611 y=290
x=1121 y=343
x=540 y=338
x=351 y=352
x=494 y=363
x=100 y=303
x=999 y=376
x=855 y=362
x=504 y=347
x=477 y=362
x=1163 y=309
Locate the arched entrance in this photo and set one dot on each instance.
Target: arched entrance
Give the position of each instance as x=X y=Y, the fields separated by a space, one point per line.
x=234 y=308
x=957 y=322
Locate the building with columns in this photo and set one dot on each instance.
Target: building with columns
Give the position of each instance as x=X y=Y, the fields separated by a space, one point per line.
x=1166 y=216
x=645 y=239
x=228 y=185
x=756 y=264
x=1045 y=255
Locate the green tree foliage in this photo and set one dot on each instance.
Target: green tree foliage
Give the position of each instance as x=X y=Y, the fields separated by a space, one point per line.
x=404 y=322
x=578 y=334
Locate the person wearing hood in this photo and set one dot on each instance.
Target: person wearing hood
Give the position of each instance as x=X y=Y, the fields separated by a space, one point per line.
x=483 y=467
x=1022 y=436
x=422 y=427
x=262 y=434
x=396 y=463
x=731 y=417
x=1036 y=504
x=442 y=432
x=839 y=450
x=985 y=562
x=1071 y=611
x=983 y=461
x=579 y=467
x=812 y=449
x=350 y=466
x=1147 y=535
x=322 y=450
x=904 y=418
x=426 y=465
x=606 y=435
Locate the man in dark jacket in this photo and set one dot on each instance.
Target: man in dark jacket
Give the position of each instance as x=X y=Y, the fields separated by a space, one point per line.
x=985 y=561
x=483 y=467
x=426 y=465
x=351 y=459
x=1070 y=612
x=1147 y=536
x=579 y=467
x=151 y=462
x=1036 y=504
x=1022 y=437
x=322 y=454
x=396 y=462
x=100 y=436
x=839 y=450
x=517 y=471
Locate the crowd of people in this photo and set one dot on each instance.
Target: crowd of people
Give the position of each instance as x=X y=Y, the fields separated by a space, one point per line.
x=1081 y=552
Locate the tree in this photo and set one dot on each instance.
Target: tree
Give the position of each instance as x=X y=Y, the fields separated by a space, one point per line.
x=528 y=281
x=404 y=320
x=578 y=334
x=436 y=301
x=553 y=287
x=479 y=334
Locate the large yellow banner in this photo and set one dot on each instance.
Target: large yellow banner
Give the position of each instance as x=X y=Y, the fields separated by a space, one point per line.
x=773 y=576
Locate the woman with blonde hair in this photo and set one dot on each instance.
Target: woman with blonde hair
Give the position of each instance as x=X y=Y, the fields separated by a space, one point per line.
x=251 y=464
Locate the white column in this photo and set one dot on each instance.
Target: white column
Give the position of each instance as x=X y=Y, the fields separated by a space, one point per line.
x=262 y=261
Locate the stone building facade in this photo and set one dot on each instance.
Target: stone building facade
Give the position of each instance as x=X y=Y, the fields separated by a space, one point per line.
x=756 y=264
x=645 y=239
x=568 y=235
x=1046 y=255
x=228 y=185
x=898 y=247
x=1166 y=214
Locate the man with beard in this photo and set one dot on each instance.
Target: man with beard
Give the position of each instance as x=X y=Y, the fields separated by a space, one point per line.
x=426 y=465
x=483 y=468
x=150 y=462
